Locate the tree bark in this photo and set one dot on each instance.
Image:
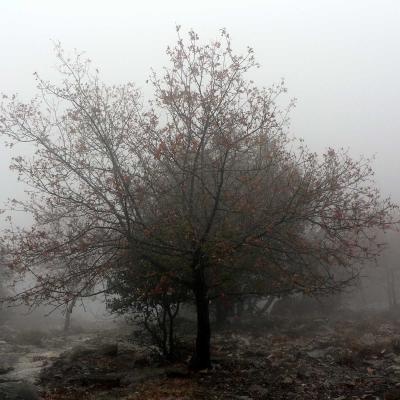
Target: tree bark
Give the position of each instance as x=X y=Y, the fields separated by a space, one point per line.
x=68 y=312
x=201 y=358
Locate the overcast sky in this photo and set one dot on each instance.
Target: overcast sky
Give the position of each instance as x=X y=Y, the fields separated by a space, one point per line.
x=340 y=59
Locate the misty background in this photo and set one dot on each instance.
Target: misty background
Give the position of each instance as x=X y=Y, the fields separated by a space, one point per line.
x=339 y=58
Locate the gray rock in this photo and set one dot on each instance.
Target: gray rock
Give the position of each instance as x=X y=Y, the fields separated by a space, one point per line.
x=78 y=352
x=105 y=350
x=368 y=339
x=110 y=350
x=18 y=391
x=259 y=390
x=317 y=353
x=5 y=369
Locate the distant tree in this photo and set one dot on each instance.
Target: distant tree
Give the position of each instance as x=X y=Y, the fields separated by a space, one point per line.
x=388 y=262
x=203 y=185
x=5 y=281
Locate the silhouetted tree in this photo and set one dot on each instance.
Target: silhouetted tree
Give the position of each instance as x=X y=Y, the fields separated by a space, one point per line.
x=203 y=184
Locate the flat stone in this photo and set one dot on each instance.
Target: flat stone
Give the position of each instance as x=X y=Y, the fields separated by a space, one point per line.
x=318 y=353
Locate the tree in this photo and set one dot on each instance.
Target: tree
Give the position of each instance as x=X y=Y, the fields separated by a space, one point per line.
x=152 y=302
x=5 y=279
x=388 y=261
x=203 y=185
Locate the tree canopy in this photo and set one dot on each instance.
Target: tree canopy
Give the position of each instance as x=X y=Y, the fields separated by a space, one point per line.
x=202 y=185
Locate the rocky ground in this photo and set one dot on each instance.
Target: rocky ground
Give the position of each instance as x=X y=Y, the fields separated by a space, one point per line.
x=354 y=357
x=25 y=354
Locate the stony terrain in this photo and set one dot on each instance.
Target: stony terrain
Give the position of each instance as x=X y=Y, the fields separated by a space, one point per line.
x=23 y=356
x=353 y=357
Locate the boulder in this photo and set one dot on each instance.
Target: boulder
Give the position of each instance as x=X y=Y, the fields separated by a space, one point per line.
x=18 y=391
x=108 y=350
x=104 y=350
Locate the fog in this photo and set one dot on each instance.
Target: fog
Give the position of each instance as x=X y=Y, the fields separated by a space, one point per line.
x=340 y=60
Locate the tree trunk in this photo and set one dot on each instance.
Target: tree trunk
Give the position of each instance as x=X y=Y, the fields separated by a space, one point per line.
x=393 y=286
x=390 y=288
x=68 y=312
x=201 y=358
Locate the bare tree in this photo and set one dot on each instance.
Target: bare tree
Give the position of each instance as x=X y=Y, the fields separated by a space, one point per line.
x=203 y=184
x=68 y=313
